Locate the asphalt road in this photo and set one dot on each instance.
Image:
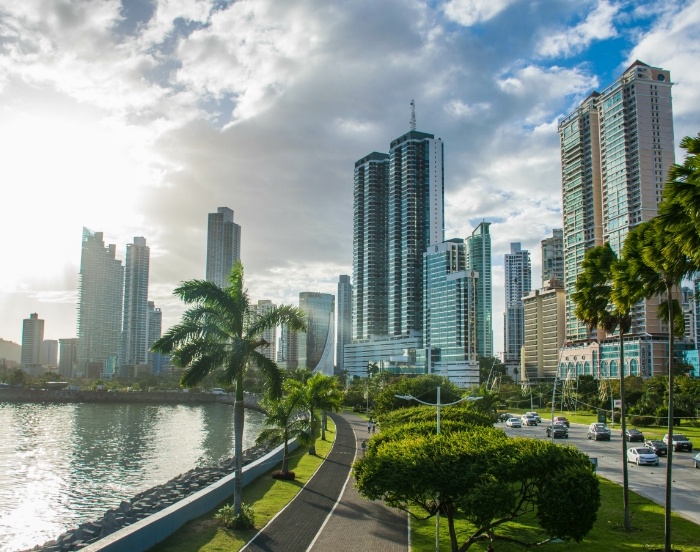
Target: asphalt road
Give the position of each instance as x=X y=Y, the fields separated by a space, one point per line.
x=648 y=481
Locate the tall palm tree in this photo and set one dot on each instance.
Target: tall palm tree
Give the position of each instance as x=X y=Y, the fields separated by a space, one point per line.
x=221 y=330
x=285 y=421
x=659 y=266
x=601 y=303
x=319 y=392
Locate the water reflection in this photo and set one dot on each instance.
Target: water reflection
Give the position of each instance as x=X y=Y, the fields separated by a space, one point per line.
x=64 y=464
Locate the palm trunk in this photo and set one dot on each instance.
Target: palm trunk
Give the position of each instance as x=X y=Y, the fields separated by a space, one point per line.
x=312 y=446
x=623 y=426
x=285 y=459
x=669 y=458
x=323 y=425
x=238 y=420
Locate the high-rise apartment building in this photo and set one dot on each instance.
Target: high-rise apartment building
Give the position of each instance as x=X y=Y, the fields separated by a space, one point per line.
x=553 y=256
x=263 y=307
x=49 y=354
x=32 y=337
x=287 y=349
x=518 y=283
x=479 y=260
x=154 y=325
x=67 y=356
x=544 y=331
x=449 y=316
x=344 y=323
x=100 y=306
x=223 y=245
x=135 y=318
x=316 y=345
x=416 y=220
x=616 y=149
x=370 y=246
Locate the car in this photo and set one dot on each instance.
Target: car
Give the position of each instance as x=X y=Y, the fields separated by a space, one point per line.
x=598 y=432
x=562 y=420
x=658 y=446
x=535 y=415
x=680 y=442
x=528 y=420
x=634 y=435
x=504 y=417
x=696 y=460
x=557 y=431
x=642 y=455
x=513 y=422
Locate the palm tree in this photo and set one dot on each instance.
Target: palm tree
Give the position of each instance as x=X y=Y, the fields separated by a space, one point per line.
x=602 y=302
x=659 y=266
x=319 y=392
x=285 y=421
x=222 y=331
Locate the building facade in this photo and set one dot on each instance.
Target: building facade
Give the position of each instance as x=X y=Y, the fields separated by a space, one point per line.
x=49 y=354
x=544 y=331
x=287 y=349
x=263 y=307
x=155 y=328
x=518 y=283
x=616 y=150
x=553 y=256
x=479 y=260
x=223 y=245
x=316 y=345
x=100 y=306
x=67 y=356
x=134 y=350
x=344 y=320
x=32 y=337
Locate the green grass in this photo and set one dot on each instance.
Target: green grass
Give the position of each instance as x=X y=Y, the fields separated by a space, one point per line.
x=607 y=534
x=268 y=496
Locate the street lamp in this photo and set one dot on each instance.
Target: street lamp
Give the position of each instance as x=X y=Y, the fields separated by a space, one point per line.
x=438 y=404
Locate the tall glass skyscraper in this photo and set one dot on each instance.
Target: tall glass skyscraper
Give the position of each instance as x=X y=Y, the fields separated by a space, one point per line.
x=344 y=325
x=479 y=260
x=315 y=346
x=135 y=320
x=223 y=245
x=518 y=283
x=100 y=303
x=553 y=257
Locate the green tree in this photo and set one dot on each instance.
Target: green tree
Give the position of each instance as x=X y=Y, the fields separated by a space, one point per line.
x=482 y=475
x=319 y=392
x=603 y=301
x=658 y=265
x=422 y=387
x=221 y=330
x=284 y=420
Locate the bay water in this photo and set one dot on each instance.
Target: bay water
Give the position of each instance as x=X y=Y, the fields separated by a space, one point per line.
x=65 y=464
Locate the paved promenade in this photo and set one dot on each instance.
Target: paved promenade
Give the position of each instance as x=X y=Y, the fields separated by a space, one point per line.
x=328 y=514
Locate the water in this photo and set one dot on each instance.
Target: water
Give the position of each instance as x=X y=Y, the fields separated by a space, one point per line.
x=65 y=464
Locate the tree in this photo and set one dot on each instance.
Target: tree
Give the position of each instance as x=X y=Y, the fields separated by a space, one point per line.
x=221 y=330
x=482 y=475
x=658 y=265
x=423 y=387
x=319 y=392
x=603 y=300
x=285 y=421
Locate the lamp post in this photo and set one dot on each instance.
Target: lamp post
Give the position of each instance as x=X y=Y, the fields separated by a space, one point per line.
x=438 y=404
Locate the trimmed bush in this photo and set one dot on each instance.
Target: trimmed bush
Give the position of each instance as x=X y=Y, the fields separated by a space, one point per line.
x=285 y=476
x=227 y=518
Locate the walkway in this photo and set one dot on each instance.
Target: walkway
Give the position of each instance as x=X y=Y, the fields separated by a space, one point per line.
x=314 y=522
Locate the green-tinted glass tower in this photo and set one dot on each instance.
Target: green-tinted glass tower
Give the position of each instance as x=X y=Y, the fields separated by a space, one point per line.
x=479 y=260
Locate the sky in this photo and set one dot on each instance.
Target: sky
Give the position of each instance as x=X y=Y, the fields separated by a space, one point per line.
x=138 y=118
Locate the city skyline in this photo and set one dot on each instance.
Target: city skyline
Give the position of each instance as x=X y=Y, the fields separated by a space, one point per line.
x=133 y=102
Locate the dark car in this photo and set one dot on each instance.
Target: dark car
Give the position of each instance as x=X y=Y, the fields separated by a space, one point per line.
x=680 y=442
x=562 y=420
x=659 y=447
x=557 y=431
x=634 y=435
x=598 y=432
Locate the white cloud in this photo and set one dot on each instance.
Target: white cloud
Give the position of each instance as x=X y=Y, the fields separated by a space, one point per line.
x=471 y=12
x=598 y=25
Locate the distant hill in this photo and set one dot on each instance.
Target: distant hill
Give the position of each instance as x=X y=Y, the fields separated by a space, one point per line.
x=10 y=350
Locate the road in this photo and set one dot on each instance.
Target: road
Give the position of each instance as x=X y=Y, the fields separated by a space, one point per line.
x=648 y=481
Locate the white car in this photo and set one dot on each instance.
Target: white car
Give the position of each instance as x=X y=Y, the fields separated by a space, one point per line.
x=535 y=415
x=528 y=420
x=641 y=456
x=513 y=422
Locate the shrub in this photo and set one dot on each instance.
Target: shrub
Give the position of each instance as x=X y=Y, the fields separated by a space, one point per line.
x=245 y=520
x=287 y=476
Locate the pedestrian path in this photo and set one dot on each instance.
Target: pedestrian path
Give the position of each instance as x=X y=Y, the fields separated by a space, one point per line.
x=317 y=520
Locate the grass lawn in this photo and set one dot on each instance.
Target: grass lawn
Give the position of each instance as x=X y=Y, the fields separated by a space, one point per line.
x=607 y=534
x=268 y=496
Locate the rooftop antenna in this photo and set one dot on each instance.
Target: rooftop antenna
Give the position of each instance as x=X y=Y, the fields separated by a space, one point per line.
x=413 y=115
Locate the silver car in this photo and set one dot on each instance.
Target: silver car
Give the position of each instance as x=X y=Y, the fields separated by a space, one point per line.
x=640 y=456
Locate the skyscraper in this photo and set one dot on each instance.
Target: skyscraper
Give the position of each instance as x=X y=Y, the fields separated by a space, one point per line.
x=263 y=307
x=67 y=356
x=287 y=349
x=99 y=306
x=316 y=344
x=154 y=324
x=370 y=246
x=518 y=283
x=135 y=319
x=32 y=337
x=49 y=354
x=416 y=220
x=479 y=260
x=223 y=245
x=553 y=256
x=344 y=324
x=616 y=149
